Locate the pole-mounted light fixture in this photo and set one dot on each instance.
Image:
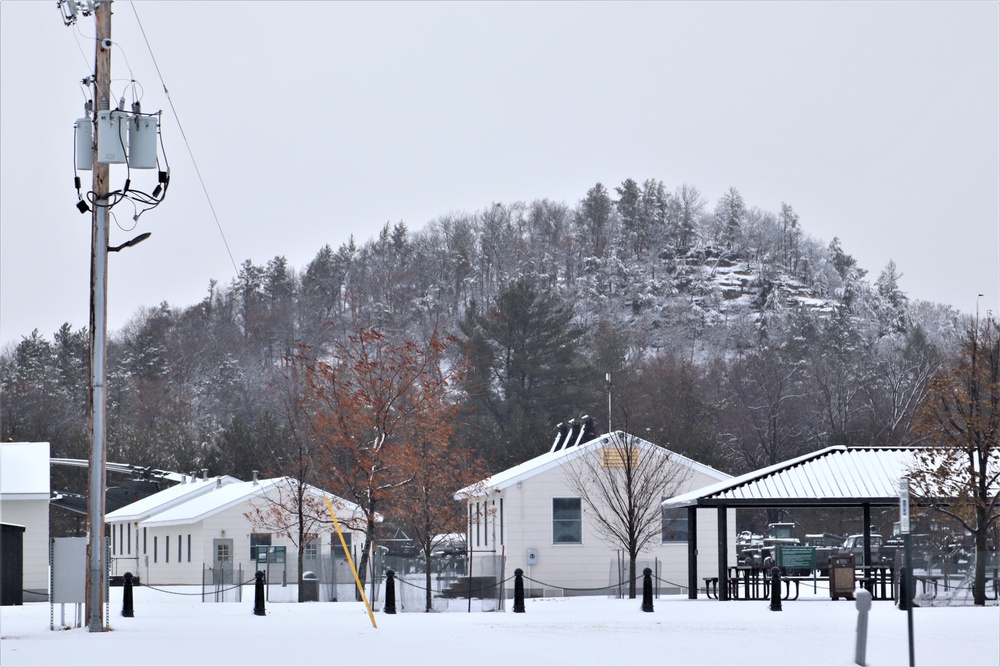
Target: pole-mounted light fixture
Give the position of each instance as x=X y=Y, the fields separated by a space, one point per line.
x=128 y=244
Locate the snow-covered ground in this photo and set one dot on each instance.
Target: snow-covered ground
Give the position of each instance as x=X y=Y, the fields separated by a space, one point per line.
x=170 y=629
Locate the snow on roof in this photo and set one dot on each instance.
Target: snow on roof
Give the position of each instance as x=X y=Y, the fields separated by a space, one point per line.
x=224 y=497
x=551 y=459
x=24 y=470
x=836 y=475
x=167 y=498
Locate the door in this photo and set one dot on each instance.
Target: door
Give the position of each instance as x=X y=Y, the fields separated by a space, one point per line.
x=222 y=561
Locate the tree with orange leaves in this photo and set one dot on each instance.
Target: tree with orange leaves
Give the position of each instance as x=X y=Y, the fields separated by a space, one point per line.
x=426 y=508
x=371 y=400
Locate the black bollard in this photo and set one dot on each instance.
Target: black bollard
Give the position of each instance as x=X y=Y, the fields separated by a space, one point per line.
x=776 y=589
x=647 y=590
x=518 y=591
x=127 y=611
x=390 y=592
x=258 y=595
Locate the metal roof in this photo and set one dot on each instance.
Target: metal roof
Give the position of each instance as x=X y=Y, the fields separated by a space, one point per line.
x=835 y=476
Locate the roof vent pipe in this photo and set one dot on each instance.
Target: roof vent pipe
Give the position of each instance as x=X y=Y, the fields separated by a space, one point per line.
x=571 y=434
x=204 y=474
x=578 y=433
x=255 y=478
x=560 y=436
x=218 y=482
x=184 y=478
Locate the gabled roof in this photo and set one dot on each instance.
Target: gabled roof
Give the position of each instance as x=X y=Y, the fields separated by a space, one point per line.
x=835 y=476
x=221 y=498
x=553 y=459
x=24 y=471
x=167 y=498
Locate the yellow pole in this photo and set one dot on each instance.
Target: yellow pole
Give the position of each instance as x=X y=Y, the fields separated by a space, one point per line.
x=350 y=561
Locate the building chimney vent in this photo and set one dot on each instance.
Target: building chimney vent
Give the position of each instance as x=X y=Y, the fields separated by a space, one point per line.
x=204 y=474
x=255 y=478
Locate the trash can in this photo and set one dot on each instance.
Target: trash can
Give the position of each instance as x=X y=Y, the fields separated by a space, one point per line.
x=310 y=587
x=842 y=576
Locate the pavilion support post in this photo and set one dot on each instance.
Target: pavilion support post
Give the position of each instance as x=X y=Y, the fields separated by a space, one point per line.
x=692 y=552
x=723 y=536
x=866 y=510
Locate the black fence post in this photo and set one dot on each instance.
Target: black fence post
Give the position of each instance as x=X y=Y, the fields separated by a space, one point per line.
x=127 y=610
x=775 y=589
x=518 y=591
x=390 y=592
x=258 y=597
x=647 y=589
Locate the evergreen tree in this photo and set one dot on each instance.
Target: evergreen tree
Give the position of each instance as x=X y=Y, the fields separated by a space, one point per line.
x=527 y=371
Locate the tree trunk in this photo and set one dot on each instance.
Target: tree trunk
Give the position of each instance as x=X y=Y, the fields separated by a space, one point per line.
x=429 y=594
x=631 y=574
x=979 y=582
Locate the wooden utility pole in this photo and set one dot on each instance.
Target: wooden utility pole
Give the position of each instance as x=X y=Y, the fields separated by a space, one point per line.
x=96 y=566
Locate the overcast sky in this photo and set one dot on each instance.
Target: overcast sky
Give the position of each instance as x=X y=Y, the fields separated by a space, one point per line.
x=878 y=122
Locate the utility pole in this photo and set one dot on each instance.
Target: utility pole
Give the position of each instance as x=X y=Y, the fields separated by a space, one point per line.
x=97 y=567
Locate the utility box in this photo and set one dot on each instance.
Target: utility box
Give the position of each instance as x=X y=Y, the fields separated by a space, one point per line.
x=532 y=557
x=842 y=576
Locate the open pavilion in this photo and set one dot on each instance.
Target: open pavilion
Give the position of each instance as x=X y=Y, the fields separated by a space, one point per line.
x=837 y=476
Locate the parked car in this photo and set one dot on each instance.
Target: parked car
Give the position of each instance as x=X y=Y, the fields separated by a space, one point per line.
x=855 y=546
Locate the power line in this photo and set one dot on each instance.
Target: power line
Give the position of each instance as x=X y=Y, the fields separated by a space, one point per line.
x=186 y=143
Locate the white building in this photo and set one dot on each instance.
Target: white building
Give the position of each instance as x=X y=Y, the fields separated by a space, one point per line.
x=126 y=533
x=532 y=514
x=24 y=501
x=210 y=531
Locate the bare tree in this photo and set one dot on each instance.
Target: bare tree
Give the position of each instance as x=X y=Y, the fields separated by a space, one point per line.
x=960 y=473
x=622 y=483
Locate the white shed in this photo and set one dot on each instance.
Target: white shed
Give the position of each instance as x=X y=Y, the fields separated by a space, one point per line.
x=24 y=501
x=531 y=514
x=206 y=533
x=129 y=540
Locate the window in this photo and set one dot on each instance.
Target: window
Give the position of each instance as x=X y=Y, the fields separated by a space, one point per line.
x=166 y=549
x=189 y=547
x=311 y=549
x=338 y=549
x=143 y=541
x=129 y=532
x=675 y=525
x=567 y=521
x=501 y=519
x=179 y=551
x=154 y=548
x=259 y=540
x=477 y=524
